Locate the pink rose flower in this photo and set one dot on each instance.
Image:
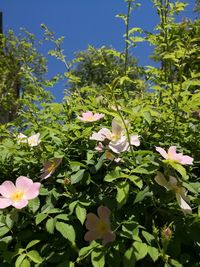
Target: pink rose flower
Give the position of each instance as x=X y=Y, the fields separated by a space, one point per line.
x=118 y=140
x=18 y=196
x=49 y=168
x=99 y=227
x=90 y=117
x=172 y=155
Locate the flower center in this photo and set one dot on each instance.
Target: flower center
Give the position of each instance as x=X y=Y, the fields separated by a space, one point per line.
x=17 y=196
x=102 y=227
x=115 y=137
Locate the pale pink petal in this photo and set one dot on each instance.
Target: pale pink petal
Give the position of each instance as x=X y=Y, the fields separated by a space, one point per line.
x=20 y=204
x=116 y=128
x=98 y=116
x=172 y=150
x=91 y=221
x=120 y=145
x=183 y=204
x=99 y=147
x=162 y=152
x=103 y=134
x=91 y=235
x=103 y=212
x=23 y=183
x=5 y=202
x=160 y=179
x=108 y=237
x=7 y=188
x=135 y=140
x=33 y=191
x=186 y=160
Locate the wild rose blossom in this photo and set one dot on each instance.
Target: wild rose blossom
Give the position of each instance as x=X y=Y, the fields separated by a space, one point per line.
x=173 y=155
x=90 y=117
x=99 y=226
x=19 y=194
x=180 y=192
x=49 y=168
x=32 y=141
x=118 y=140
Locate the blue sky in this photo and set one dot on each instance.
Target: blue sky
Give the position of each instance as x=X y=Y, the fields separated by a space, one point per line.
x=83 y=23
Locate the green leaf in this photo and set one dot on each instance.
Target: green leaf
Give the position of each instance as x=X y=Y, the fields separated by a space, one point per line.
x=149 y=238
x=32 y=243
x=66 y=230
x=153 y=253
x=25 y=263
x=35 y=256
x=19 y=260
x=113 y=175
x=129 y=258
x=34 y=204
x=141 y=250
x=4 y=230
x=122 y=192
x=77 y=177
x=80 y=213
x=50 y=224
x=98 y=259
x=40 y=217
x=142 y=194
x=136 y=180
x=178 y=167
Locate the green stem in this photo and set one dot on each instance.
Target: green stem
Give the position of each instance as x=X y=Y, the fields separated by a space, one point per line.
x=127 y=36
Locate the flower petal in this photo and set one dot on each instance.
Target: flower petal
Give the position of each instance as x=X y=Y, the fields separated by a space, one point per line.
x=116 y=128
x=23 y=183
x=7 y=188
x=172 y=150
x=103 y=134
x=162 y=152
x=91 y=235
x=183 y=204
x=103 y=212
x=91 y=221
x=108 y=237
x=135 y=140
x=120 y=145
x=20 y=204
x=160 y=179
x=5 y=202
x=33 y=191
x=186 y=160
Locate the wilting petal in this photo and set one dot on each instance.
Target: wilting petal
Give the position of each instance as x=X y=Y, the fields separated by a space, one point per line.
x=99 y=147
x=91 y=235
x=91 y=221
x=103 y=212
x=160 y=179
x=23 y=183
x=172 y=180
x=162 y=152
x=7 y=188
x=135 y=140
x=20 y=204
x=183 y=204
x=5 y=202
x=108 y=237
x=33 y=191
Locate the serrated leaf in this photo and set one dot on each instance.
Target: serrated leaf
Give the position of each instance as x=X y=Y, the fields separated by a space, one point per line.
x=80 y=213
x=50 y=224
x=34 y=204
x=141 y=250
x=77 y=177
x=25 y=263
x=113 y=175
x=122 y=192
x=142 y=194
x=98 y=259
x=35 y=256
x=153 y=253
x=40 y=217
x=19 y=260
x=66 y=230
x=32 y=243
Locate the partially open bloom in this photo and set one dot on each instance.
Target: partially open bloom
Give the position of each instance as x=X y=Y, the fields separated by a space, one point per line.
x=49 y=168
x=118 y=140
x=90 y=117
x=19 y=194
x=172 y=155
x=99 y=227
x=32 y=141
x=180 y=192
